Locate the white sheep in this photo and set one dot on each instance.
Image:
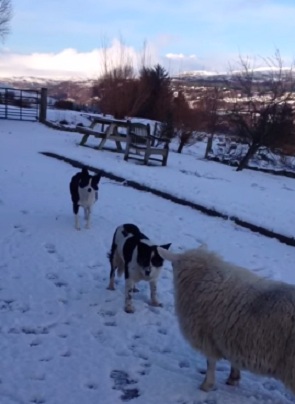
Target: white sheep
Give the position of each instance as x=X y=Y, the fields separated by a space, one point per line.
x=228 y=312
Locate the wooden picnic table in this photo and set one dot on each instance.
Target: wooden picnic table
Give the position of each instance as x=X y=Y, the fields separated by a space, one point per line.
x=109 y=130
x=140 y=144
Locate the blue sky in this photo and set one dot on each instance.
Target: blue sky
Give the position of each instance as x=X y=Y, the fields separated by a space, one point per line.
x=55 y=37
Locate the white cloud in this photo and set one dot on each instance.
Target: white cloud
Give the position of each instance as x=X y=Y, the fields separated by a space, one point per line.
x=174 y=56
x=71 y=63
x=67 y=63
x=178 y=56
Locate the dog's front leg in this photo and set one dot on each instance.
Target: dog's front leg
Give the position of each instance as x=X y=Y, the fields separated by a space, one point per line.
x=129 y=285
x=154 y=298
x=77 y=222
x=87 y=216
x=76 y=213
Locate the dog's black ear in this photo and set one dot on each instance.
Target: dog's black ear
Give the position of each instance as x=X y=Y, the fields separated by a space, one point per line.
x=95 y=179
x=84 y=172
x=166 y=246
x=94 y=183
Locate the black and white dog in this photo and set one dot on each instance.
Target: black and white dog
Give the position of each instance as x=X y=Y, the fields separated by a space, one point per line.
x=133 y=254
x=84 y=192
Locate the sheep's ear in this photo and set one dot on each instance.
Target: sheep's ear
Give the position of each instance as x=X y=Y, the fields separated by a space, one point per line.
x=166 y=254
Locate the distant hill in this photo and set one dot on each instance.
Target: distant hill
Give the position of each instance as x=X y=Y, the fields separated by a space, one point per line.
x=80 y=91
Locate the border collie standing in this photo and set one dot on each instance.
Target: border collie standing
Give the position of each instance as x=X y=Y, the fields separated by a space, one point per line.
x=133 y=254
x=84 y=192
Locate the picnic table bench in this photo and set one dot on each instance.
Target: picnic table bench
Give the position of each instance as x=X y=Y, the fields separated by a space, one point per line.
x=142 y=145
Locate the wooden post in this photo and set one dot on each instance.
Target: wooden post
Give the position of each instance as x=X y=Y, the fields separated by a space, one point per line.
x=43 y=105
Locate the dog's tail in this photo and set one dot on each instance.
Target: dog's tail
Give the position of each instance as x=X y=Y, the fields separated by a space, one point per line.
x=116 y=263
x=111 y=253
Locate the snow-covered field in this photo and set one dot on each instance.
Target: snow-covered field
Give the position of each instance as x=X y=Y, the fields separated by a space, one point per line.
x=64 y=338
x=255 y=197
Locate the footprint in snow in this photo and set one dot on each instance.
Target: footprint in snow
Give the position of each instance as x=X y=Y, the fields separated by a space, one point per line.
x=51 y=276
x=39 y=377
x=51 y=249
x=45 y=359
x=63 y=335
x=110 y=324
x=107 y=313
x=145 y=369
x=6 y=305
x=66 y=354
x=91 y=386
x=154 y=309
x=60 y=284
x=141 y=355
x=35 y=342
x=29 y=330
x=99 y=335
x=122 y=381
x=21 y=229
x=162 y=331
x=35 y=330
x=184 y=364
x=254 y=185
x=283 y=187
x=38 y=400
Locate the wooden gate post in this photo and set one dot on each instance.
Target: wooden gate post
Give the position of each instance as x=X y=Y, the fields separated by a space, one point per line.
x=43 y=105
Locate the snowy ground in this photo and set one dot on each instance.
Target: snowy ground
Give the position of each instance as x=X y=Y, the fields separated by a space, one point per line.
x=65 y=339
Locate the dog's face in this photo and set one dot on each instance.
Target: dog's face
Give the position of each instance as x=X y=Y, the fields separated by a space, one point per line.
x=149 y=260
x=88 y=189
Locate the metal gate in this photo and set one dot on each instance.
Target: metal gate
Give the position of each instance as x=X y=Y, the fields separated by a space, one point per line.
x=19 y=104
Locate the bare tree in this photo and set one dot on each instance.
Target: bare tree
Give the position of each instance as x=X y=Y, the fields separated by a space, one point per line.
x=210 y=105
x=184 y=120
x=114 y=88
x=261 y=110
x=5 y=17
